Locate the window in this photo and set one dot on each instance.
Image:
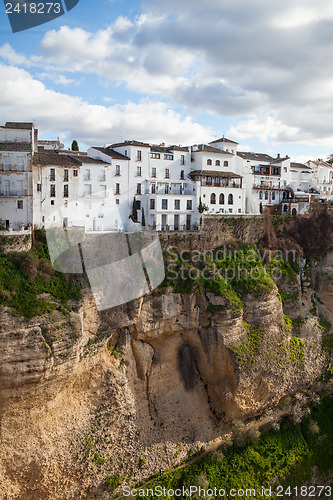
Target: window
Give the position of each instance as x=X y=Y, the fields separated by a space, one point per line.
x=164 y=204
x=221 y=199
x=182 y=174
x=138 y=170
x=52 y=190
x=217 y=163
x=166 y=188
x=52 y=202
x=138 y=204
x=117 y=188
x=167 y=173
x=117 y=201
x=52 y=174
x=155 y=155
x=153 y=188
x=87 y=175
x=101 y=216
x=6 y=162
x=125 y=152
x=20 y=204
x=102 y=178
x=239 y=210
x=102 y=188
x=39 y=187
x=273 y=195
x=213 y=199
x=138 y=155
x=168 y=157
x=189 y=205
x=153 y=172
x=138 y=188
x=117 y=169
x=266 y=195
x=209 y=181
x=230 y=200
x=66 y=191
x=230 y=210
x=87 y=189
x=152 y=204
x=225 y=163
x=182 y=159
x=75 y=173
x=66 y=203
x=177 y=204
x=209 y=162
x=260 y=195
x=66 y=175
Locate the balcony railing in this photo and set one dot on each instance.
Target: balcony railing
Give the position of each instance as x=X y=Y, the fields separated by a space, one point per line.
x=266 y=187
x=224 y=183
x=177 y=227
x=173 y=191
x=13 y=192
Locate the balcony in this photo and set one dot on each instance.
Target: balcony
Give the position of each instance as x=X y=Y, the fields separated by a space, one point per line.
x=13 y=192
x=173 y=191
x=224 y=183
x=270 y=187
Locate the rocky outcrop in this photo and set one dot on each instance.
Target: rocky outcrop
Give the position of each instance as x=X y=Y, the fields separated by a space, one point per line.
x=141 y=384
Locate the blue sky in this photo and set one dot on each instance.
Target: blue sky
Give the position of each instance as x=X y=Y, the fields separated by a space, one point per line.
x=176 y=71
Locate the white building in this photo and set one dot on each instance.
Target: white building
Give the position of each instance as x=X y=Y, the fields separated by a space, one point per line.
x=219 y=187
x=18 y=142
x=322 y=177
x=157 y=177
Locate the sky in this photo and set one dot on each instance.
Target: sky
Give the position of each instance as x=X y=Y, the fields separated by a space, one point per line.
x=183 y=72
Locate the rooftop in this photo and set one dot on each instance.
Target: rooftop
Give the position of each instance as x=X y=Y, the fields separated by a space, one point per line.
x=214 y=173
x=254 y=156
x=130 y=143
x=209 y=149
x=19 y=125
x=223 y=139
x=111 y=152
x=50 y=157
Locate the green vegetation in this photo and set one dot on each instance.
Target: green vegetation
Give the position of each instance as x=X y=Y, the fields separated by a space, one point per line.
x=75 y=146
x=285 y=457
x=248 y=350
x=296 y=351
x=30 y=285
x=230 y=274
x=114 y=480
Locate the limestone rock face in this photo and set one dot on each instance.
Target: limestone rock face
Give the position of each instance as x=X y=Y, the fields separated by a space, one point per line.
x=148 y=380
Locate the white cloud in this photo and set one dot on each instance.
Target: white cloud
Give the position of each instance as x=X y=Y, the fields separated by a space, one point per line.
x=265 y=63
x=56 y=112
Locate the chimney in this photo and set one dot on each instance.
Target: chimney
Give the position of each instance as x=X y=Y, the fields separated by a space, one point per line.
x=278 y=155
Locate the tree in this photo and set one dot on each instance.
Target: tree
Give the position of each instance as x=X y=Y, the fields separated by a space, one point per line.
x=202 y=208
x=143 y=221
x=330 y=158
x=75 y=146
x=134 y=215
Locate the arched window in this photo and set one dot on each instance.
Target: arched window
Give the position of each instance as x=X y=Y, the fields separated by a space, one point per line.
x=266 y=195
x=225 y=163
x=213 y=199
x=217 y=163
x=209 y=162
x=221 y=199
x=260 y=195
x=230 y=199
x=273 y=195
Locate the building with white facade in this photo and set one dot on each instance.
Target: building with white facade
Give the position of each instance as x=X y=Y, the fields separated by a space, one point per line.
x=322 y=178
x=218 y=185
x=18 y=143
x=43 y=185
